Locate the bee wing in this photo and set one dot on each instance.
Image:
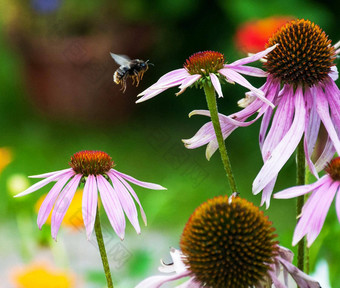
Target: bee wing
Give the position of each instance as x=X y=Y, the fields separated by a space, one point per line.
x=120 y=59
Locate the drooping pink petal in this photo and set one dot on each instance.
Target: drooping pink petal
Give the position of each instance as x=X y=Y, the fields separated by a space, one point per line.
x=56 y=175
x=134 y=195
x=63 y=202
x=323 y=111
x=89 y=202
x=326 y=155
x=310 y=211
x=285 y=148
x=275 y=279
x=301 y=190
x=253 y=57
x=46 y=175
x=126 y=201
x=239 y=79
x=139 y=183
x=247 y=70
x=302 y=280
x=312 y=126
x=320 y=214
x=158 y=281
x=267 y=192
x=216 y=83
x=150 y=94
x=51 y=197
x=112 y=206
x=188 y=81
x=203 y=136
x=281 y=123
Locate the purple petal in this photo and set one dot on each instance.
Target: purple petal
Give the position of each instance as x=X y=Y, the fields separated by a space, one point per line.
x=158 y=281
x=323 y=111
x=126 y=201
x=90 y=201
x=311 y=213
x=134 y=195
x=112 y=206
x=203 y=136
x=239 y=79
x=188 y=81
x=139 y=183
x=275 y=280
x=216 y=83
x=253 y=57
x=42 y=183
x=46 y=175
x=320 y=213
x=302 y=280
x=267 y=193
x=312 y=126
x=63 y=202
x=326 y=155
x=247 y=70
x=47 y=205
x=285 y=148
x=301 y=190
x=151 y=94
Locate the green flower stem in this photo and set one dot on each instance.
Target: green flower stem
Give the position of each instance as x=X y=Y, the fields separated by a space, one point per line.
x=212 y=105
x=300 y=180
x=102 y=250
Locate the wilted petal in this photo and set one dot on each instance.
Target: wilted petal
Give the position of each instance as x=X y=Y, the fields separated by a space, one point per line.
x=90 y=200
x=247 y=70
x=158 y=281
x=187 y=82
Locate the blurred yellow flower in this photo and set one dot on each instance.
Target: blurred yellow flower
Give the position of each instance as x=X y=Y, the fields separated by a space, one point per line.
x=41 y=275
x=73 y=217
x=6 y=157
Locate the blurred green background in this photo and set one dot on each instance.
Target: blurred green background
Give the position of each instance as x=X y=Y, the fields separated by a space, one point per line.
x=57 y=97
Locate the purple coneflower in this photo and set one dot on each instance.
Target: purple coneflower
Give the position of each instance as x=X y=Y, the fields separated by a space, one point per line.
x=300 y=83
x=314 y=211
x=95 y=168
x=209 y=66
x=228 y=242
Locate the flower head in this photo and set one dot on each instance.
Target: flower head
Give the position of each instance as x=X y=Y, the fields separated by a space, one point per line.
x=209 y=66
x=300 y=83
x=315 y=210
x=228 y=242
x=95 y=168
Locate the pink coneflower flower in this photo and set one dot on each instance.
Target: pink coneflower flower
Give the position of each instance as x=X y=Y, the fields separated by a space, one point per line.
x=314 y=211
x=301 y=85
x=95 y=168
x=228 y=242
x=209 y=66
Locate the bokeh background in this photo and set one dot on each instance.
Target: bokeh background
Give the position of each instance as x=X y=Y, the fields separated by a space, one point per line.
x=57 y=97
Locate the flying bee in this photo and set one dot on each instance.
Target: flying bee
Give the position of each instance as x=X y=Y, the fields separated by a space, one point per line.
x=129 y=68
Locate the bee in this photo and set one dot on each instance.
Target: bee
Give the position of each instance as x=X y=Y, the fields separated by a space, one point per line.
x=129 y=68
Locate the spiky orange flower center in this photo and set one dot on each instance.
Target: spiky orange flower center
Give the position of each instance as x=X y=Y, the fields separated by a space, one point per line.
x=228 y=243
x=91 y=162
x=333 y=169
x=204 y=63
x=304 y=55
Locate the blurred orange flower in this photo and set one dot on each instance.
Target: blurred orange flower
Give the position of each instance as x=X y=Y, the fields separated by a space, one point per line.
x=6 y=157
x=73 y=217
x=252 y=36
x=41 y=275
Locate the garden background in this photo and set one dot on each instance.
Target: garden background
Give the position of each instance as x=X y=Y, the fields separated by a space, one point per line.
x=57 y=98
